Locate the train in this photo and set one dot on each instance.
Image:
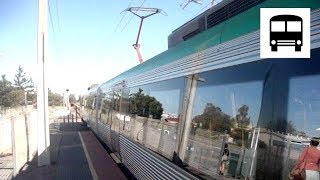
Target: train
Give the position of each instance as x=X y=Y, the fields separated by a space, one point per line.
x=172 y=116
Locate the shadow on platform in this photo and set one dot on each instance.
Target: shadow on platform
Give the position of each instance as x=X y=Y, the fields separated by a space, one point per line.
x=67 y=156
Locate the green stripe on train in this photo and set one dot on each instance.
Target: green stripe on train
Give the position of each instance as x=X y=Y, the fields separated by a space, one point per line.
x=241 y=24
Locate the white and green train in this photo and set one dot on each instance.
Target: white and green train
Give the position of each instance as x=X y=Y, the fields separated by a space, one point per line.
x=171 y=116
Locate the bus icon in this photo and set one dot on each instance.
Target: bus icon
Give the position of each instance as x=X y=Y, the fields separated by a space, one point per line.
x=286 y=30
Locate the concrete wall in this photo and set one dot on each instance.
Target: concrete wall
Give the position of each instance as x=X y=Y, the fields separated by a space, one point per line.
x=25 y=144
x=5 y=137
x=20 y=141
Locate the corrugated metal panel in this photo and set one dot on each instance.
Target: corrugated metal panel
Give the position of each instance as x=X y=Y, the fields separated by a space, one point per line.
x=115 y=147
x=89 y=122
x=145 y=164
x=104 y=133
x=241 y=50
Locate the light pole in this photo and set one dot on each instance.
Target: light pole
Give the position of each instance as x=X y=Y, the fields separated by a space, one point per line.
x=42 y=90
x=25 y=99
x=67 y=99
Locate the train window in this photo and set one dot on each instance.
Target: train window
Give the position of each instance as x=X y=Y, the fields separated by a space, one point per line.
x=155 y=111
x=123 y=117
x=106 y=108
x=92 y=108
x=304 y=106
x=115 y=105
x=88 y=103
x=293 y=119
x=303 y=113
x=225 y=115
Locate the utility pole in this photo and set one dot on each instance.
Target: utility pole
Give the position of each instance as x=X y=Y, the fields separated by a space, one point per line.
x=42 y=92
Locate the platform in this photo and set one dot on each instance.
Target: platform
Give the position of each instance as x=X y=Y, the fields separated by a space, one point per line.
x=75 y=153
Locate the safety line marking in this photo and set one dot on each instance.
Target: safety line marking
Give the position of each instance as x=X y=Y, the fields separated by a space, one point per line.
x=93 y=171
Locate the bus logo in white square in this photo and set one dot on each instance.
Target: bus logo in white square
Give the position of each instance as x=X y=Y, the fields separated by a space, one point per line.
x=285 y=33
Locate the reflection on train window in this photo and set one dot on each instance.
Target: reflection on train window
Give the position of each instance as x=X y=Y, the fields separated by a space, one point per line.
x=89 y=106
x=224 y=114
x=304 y=105
x=168 y=99
x=106 y=107
x=155 y=111
x=292 y=134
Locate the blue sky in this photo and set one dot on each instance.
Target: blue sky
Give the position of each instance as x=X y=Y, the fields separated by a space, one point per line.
x=85 y=45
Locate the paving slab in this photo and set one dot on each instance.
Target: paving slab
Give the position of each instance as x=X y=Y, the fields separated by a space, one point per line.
x=6 y=167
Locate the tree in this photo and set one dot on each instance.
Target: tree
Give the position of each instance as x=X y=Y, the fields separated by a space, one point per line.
x=145 y=105
x=5 y=89
x=25 y=85
x=241 y=133
x=89 y=101
x=21 y=81
x=16 y=97
x=72 y=99
x=54 y=99
x=214 y=119
x=241 y=118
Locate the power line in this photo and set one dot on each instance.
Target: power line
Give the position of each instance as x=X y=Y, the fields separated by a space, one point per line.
x=51 y=20
x=184 y=5
x=57 y=12
x=133 y=16
x=53 y=31
x=209 y=4
x=123 y=17
x=127 y=23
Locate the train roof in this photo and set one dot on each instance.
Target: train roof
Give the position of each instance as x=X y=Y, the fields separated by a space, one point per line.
x=239 y=25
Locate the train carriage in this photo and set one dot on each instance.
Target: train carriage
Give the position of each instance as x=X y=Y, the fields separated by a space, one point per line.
x=171 y=116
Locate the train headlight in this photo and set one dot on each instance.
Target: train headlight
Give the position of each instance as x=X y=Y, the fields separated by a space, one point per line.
x=299 y=42
x=273 y=42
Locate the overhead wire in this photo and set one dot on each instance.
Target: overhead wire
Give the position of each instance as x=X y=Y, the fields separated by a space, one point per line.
x=51 y=21
x=201 y=10
x=123 y=17
x=53 y=31
x=133 y=15
x=57 y=12
x=184 y=4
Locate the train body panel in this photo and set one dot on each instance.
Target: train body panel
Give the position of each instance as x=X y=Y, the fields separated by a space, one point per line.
x=170 y=117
